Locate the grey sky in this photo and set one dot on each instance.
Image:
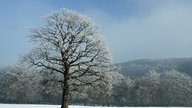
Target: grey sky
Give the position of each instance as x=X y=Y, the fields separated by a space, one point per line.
x=134 y=29
x=165 y=31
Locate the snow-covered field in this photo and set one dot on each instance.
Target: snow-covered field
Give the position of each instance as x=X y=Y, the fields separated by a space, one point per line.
x=46 y=106
x=57 y=106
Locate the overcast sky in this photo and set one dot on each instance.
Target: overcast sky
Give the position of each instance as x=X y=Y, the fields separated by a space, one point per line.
x=134 y=29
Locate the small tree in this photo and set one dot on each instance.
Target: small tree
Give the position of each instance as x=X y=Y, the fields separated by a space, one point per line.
x=70 y=46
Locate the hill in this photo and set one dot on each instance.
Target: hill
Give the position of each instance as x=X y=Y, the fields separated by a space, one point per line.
x=137 y=68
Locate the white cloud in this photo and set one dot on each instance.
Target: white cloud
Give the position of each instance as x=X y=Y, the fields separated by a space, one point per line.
x=166 y=31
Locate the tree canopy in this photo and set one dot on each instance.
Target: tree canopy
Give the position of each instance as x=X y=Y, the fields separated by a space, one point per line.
x=70 y=45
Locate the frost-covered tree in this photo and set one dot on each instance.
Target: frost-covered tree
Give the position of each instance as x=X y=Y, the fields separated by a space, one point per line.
x=176 y=89
x=18 y=85
x=122 y=91
x=71 y=46
x=13 y=84
x=148 y=90
x=104 y=90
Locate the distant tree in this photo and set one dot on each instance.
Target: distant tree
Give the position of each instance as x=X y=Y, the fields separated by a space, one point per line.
x=176 y=89
x=71 y=46
x=18 y=85
x=104 y=90
x=121 y=92
x=148 y=91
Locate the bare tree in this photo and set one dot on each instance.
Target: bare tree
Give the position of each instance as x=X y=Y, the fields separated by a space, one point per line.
x=71 y=46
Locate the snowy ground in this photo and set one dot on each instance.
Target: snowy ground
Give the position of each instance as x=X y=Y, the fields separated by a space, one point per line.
x=56 y=106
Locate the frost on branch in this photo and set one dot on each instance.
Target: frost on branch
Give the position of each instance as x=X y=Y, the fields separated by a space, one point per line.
x=71 y=45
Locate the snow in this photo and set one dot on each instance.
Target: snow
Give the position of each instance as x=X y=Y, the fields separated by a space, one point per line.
x=58 y=106
x=27 y=106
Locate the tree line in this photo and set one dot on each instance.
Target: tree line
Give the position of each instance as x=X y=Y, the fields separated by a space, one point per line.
x=20 y=84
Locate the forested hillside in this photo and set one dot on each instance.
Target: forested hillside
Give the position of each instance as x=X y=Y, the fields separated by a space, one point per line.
x=138 y=68
x=163 y=82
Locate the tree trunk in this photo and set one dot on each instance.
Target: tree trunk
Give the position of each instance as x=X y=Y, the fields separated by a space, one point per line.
x=65 y=95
